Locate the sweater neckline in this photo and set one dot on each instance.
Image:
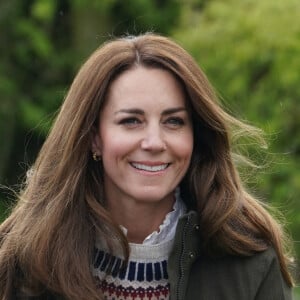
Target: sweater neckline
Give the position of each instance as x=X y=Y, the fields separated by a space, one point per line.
x=167 y=229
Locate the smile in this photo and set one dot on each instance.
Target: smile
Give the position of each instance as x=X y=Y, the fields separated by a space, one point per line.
x=150 y=168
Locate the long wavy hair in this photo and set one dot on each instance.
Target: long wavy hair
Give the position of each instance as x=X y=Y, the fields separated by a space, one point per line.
x=47 y=241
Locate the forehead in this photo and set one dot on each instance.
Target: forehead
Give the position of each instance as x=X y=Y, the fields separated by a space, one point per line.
x=144 y=85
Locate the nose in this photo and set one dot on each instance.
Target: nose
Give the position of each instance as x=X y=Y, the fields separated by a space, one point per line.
x=153 y=140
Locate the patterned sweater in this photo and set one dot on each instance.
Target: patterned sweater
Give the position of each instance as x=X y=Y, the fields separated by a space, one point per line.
x=145 y=277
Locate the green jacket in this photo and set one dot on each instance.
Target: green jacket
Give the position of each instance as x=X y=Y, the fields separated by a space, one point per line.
x=196 y=277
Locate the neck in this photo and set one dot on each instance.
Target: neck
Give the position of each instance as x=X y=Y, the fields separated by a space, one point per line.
x=140 y=219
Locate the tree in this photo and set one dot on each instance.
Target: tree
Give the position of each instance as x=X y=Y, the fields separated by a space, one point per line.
x=250 y=51
x=42 y=46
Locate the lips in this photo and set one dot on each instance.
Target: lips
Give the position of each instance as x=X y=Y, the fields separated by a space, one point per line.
x=149 y=168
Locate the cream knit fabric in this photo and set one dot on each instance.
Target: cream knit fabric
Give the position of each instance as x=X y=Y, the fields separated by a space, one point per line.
x=145 y=276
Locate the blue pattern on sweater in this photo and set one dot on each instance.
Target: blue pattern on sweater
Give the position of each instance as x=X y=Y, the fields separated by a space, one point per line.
x=135 y=270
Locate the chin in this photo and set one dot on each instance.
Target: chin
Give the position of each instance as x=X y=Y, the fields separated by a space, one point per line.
x=152 y=196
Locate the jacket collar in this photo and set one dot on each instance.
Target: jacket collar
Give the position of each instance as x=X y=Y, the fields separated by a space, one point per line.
x=186 y=249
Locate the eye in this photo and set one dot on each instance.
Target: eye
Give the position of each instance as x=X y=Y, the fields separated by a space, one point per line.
x=175 y=122
x=130 y=122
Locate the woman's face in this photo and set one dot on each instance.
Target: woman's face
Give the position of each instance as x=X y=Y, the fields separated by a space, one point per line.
x=145 y=136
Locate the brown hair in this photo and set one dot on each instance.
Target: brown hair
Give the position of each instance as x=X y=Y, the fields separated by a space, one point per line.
x=47 y=242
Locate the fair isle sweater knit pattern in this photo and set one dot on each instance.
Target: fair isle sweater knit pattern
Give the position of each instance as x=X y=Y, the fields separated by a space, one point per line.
x=145 y=276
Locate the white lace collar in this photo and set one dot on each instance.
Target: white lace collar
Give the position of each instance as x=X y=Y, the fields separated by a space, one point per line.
x=167 y=229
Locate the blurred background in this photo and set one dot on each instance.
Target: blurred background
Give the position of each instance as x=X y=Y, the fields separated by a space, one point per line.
x=250 y=51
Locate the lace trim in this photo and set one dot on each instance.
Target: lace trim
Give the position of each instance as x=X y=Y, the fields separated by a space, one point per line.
x=167 y=229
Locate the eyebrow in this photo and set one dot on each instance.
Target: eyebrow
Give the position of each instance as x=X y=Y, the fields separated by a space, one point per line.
x=138 y=111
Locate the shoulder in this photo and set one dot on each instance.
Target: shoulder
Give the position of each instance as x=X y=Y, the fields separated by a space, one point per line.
x=234 y=277
x=254 y=265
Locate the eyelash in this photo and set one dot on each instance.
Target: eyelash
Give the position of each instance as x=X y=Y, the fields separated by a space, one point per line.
x=175 y=121
x=130 y=121
x=133 y=121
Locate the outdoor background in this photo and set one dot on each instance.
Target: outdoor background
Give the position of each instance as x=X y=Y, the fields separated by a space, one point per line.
x=250 y=51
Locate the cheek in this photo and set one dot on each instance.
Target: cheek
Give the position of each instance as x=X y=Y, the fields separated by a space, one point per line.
x=114 y=145
x=185 y=146
x=182 y=151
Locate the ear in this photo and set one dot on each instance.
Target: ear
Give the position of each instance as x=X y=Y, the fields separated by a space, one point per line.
x=96 y=145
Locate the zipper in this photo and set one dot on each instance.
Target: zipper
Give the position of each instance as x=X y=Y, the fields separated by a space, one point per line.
x=181 y=261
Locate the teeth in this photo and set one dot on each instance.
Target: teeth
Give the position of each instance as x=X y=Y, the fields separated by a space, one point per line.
x=150 y=168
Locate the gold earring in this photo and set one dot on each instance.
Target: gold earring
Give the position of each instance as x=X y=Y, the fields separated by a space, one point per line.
x=96 y=157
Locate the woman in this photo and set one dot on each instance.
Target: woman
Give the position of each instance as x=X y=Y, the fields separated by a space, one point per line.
x=135 y=193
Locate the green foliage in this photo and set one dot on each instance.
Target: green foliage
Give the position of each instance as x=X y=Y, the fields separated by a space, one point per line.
x=135 y=16
x=250 y=51
x=41 y=49
x=44 y=10
x=3 y=209
x=143 y=15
